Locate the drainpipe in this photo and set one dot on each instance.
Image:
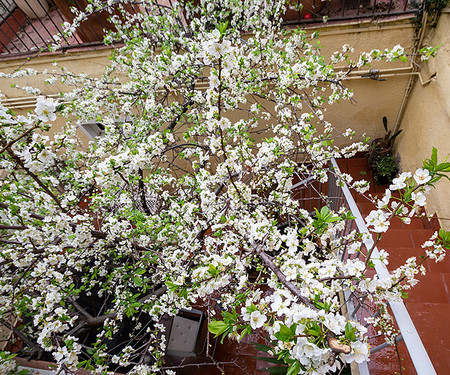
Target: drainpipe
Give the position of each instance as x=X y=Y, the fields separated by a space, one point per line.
x=415 y=67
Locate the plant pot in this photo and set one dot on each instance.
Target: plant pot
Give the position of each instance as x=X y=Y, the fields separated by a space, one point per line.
x=383 y=180
x=33 y=8
x=311 y=7
x=376 y=151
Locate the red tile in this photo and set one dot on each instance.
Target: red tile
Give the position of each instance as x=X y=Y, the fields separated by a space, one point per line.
x=440 y=267
x=416 y=224
x=431 y=288
x=398 y=256
x=395 y=238
x=419 y=236
x=431 y=322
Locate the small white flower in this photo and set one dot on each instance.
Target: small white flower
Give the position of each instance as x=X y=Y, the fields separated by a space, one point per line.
x=419 y=198
x=257 y=319
x=399 y=182
x=45 y=109
x=422 y=176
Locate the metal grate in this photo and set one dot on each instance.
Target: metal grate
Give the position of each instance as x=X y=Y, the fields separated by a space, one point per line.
x=28 y=26
x=6 y=8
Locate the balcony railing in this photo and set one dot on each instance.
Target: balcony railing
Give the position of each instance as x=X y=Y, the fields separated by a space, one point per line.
x=340 y=196
x=28 y=26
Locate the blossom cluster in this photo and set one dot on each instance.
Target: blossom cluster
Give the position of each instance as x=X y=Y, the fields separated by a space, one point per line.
x=194 y=196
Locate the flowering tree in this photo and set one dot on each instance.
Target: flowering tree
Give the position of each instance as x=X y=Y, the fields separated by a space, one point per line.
x=178 y=205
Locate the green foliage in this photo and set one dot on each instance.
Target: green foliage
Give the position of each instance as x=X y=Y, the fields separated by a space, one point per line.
x=380 y=145
x=385 y=169
x=8 y=366
x=444 y=239
x=323 y=217
x=436 y=169
x=285 y=333
x=226 y=326
x=433 y=9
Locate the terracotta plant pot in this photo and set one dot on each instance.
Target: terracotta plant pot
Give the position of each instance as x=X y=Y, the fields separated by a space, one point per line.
x=311 y=7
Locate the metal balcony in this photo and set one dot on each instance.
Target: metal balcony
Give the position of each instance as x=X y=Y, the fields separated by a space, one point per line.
x=27 y=27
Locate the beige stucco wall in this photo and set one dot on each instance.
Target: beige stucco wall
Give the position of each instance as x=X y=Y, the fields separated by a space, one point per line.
x=426 y=122
x=373 y=99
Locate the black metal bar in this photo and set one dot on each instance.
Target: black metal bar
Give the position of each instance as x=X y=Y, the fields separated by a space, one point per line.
x=374 y=6
x=369 y=15
x=5 y=21
x=390 y=6
x=357 y=10
x=51 y=20
x=42 y=23
x=343 y=8
x=79 y=30
x=6 y=48
x=74 y=35
x=360 y=302
x=72 y=46
x=24 y=29
x=87 y=21
x=385 y=345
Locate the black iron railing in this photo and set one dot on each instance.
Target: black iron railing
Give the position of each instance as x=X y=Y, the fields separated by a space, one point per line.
x=29 y=26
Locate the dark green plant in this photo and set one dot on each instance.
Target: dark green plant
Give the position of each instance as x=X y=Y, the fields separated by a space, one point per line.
x=433 y=9
x=382 y=146
x=385 y=169
x=389 y=138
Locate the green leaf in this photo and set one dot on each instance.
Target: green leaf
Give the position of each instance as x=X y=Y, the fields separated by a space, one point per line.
x=282 y=370
x=137 y=281
x=270 y=360
x=294 y=369
x=350 y=332
x=434 y=156
x=217 y=327
x=139 y=271
x=212 y=270
x=284 y=334
x=171 y=285
x=261 y=347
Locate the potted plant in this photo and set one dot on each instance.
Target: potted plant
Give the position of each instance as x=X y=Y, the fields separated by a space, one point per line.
x=385 y=169
x=308 y=8
x=382 y=146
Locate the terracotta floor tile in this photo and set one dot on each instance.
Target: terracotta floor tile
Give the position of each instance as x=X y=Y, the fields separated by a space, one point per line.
x=366 y=207
x=386 y=361
x=440 y=267
x=394 y=238
x=429 y=301
x=416 y=224
x=398 y=256
x=431 y=288
x=419 y=236
x=357 y=161
x=431 y=322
